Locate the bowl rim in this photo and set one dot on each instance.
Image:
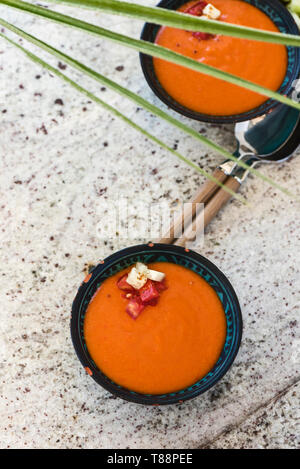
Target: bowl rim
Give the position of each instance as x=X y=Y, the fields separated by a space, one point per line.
x=146 y=63
x=152 y=399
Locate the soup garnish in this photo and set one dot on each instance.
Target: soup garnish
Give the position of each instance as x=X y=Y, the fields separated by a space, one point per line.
x=204 y=10
x=142 y=287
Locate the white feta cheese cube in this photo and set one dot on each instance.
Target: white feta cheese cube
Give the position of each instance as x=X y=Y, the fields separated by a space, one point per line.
x=212 y=12
x=155 y=275
x=136 y=279
x=139 y=275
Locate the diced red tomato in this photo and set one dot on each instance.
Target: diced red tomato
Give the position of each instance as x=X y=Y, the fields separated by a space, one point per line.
x=197 y=9
x=148 y=292
x=127 y=295
x=135 y=307
x=123 y=285
x=148 y=295
x=202 y=36
x=152 y=302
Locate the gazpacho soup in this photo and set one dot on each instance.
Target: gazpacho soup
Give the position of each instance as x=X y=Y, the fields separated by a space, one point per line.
x=155 y=328
x=260 y=62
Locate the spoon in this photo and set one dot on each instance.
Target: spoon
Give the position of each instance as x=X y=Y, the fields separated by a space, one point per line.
x=272 y=137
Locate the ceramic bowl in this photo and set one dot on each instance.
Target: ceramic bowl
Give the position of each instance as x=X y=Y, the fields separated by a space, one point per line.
x=286 y=24
x=149 y=253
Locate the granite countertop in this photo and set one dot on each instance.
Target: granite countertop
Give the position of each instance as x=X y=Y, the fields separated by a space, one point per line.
x=62 y=159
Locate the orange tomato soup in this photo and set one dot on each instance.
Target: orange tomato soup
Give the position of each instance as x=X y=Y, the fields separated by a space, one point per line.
x=169 y=346
x=260 y=62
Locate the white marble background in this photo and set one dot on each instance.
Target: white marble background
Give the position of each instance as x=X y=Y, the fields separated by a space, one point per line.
x=60 y=162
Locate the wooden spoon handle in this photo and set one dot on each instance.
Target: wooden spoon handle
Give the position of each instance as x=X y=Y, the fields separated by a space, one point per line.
x=209 y=188
x=203 y=195
x=220 y=199
x=210 y=211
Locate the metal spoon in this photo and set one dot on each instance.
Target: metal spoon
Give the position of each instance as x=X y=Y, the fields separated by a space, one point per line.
x=272 y=137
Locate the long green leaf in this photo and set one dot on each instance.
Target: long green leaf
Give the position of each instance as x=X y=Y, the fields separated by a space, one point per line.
x=138 y=100
x=121 y=116
x=180 y=20
x=150 y=49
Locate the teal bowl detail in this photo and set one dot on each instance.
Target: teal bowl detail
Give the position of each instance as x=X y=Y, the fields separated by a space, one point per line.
x=149 y=253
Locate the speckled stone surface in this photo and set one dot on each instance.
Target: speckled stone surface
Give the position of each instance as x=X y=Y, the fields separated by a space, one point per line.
x=62 y=159
x=275 y=425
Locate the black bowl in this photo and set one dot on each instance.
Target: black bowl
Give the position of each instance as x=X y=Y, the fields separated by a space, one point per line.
x=148 y=253
x=283 y=20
